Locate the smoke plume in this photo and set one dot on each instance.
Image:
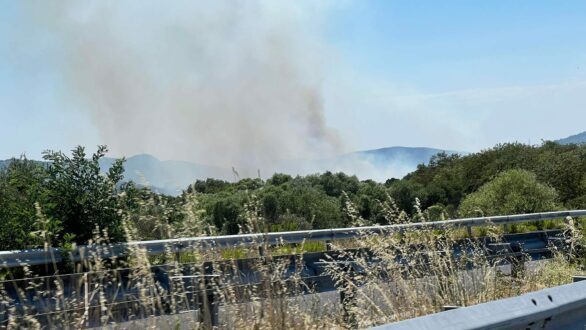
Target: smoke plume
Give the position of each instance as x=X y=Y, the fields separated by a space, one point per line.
x=217 y=82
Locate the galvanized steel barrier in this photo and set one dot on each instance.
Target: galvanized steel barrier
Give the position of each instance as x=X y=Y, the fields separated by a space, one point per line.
x=9 y=259
x=562 y=307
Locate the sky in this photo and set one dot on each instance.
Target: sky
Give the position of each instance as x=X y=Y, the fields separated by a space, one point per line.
x=456 y=75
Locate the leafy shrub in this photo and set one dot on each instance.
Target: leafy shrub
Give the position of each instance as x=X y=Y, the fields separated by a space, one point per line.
x=511 y=192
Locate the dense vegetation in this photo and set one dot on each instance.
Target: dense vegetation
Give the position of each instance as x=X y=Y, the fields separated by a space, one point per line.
x=67 y=199
x=447 y=180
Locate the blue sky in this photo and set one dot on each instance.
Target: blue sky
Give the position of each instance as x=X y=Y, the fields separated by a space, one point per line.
x=459 y=75
x=447 y=45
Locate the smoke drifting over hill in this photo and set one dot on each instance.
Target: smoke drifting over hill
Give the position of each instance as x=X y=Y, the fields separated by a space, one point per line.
x=220 y=82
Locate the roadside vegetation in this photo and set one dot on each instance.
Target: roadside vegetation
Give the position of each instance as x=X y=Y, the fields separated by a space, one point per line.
x=75 y=198
x=69 y=201
x=390 y=277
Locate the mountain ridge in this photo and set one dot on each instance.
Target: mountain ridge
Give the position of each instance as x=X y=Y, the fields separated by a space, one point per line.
x=172 y=176
x=579 y=138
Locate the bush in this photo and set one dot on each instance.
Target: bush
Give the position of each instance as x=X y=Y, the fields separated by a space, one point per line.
x=80 y=197
x=21 y=187
x=511 y=192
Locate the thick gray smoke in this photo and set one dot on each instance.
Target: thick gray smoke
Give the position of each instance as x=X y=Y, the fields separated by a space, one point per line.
x=218 y=82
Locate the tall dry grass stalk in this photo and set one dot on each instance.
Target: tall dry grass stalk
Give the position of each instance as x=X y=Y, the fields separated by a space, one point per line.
x=379 y=278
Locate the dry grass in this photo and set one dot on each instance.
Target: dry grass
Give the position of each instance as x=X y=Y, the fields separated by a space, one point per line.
x=383 y=278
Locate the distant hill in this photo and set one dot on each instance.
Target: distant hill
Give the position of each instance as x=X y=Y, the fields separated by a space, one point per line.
x=377 y=164
x=417 y=155
x=574 y=139
x=171 y=177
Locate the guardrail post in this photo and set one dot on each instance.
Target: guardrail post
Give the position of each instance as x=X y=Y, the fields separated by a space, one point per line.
x=212 y=310
x=517 y=266
x=178 y=252
x=261 y=251
x=469 y=230
x=212 y=303
x=86 y=298
x=329 y=245
x=263 y=248
x=208 y=309
x=348 y=300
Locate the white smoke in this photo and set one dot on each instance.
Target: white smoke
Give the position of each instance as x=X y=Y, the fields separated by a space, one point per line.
x=218 y=82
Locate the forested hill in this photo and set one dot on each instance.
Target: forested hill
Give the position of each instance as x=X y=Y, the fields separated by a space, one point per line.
x=507 y=179
x=576 y=139
x=171 y=177
x=167 y=177
x=71 y=198
x=412 y=156
x=448 y=179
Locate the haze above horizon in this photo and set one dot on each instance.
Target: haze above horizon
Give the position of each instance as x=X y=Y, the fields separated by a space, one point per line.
x=260 y=81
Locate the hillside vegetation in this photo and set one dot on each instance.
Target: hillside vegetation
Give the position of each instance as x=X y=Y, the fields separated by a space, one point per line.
x=70 y=200
x=574 y=139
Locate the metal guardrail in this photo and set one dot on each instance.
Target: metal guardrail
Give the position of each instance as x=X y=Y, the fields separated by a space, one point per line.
x=562 y=307
x=9 y=259
x=511 y=249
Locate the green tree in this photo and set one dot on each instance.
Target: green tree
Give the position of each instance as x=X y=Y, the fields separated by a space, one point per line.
x=270 y=207
x=209 y=186
x=278 y=179
x=153 y=216
x=21 y=187
x=511 y=192
x=227 y=215
x=81 y=197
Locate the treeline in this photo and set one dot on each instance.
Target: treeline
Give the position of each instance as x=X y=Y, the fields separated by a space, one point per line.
x=59 y=202
x=447 y=180
x=68 y=200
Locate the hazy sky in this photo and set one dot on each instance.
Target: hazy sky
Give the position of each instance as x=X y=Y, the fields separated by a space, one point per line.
x=458 y=75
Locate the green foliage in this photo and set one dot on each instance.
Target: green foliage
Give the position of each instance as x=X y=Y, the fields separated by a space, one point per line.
x=436 y=213
x=320 y=200
x=80 y=196
x=299 y=248
x=21 y=186
x=226 y=214
x=152 y=215
x=61 y=201
x=448 y=179
x=511 y=192
x=73 y=196
x=278 y=179
x=290 y=203
x=233 y=253
x=209 y=186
